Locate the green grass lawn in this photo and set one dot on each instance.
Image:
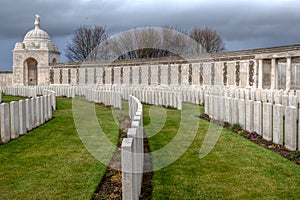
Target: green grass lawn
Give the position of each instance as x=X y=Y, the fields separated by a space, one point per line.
x=7 y=99
x=51 y=162
x=235 y=169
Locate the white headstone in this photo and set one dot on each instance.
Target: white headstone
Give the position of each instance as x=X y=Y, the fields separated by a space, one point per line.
x=278 y=124
x=5 y=122
x=290 y=128
x=267 y=121
x=22 y=117
x=250 y=115
x=258 y=117
x=14 y=119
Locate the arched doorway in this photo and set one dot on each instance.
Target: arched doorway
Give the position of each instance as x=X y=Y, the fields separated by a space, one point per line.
x=31 y=68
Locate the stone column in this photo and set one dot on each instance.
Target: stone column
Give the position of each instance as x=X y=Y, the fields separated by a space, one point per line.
x=274 y=73
x=255 y=74
x=260 y=74
x=288 y=73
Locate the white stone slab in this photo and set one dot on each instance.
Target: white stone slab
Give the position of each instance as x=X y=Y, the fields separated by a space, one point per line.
x=290 y=128
x=278 y=124
x=267 y=121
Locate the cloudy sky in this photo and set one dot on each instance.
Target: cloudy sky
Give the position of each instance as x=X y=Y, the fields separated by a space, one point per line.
x=243 y=24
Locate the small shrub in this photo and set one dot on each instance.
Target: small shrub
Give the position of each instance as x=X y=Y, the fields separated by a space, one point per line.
x=236 y=127
x=294 y=155
x=226 y=125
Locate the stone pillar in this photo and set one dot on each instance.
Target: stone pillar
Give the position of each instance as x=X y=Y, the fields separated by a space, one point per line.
x=260 y=74
x=274 y=74
x=288 y=73
x=290 y=128
x=278 y=124
x=255 y=74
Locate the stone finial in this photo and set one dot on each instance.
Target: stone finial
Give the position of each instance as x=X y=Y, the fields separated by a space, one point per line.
x=37 y=21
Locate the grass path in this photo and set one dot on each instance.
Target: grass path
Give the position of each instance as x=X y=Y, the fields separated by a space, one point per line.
x=235 y=169
x=51 y=162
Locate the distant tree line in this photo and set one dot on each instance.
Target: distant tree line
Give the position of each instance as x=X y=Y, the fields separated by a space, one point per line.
x=93 y=43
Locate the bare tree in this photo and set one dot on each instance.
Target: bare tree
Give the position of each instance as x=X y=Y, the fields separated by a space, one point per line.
x=150 y=42
x=209 y=40
x=84 y=43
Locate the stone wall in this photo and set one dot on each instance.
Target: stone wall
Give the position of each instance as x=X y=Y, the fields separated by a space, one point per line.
x=6 y=78
x=177 y=72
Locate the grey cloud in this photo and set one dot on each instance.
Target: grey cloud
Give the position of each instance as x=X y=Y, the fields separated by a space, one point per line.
x=242 y=24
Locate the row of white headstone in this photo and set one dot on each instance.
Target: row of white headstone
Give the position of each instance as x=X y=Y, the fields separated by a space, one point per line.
x=157 y=95
x=19 y=117
x=160 y=98
x=109 y=98
x=286 y=98
x=274 y=122
x=132 y=153
x=20 y=91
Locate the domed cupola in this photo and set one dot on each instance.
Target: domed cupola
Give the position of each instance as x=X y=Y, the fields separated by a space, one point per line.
x=37 y=35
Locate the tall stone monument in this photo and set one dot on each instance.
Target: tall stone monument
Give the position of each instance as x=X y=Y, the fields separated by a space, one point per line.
x=31 y=58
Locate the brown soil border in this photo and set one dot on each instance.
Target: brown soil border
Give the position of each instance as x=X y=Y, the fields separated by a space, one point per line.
x=110 y=186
